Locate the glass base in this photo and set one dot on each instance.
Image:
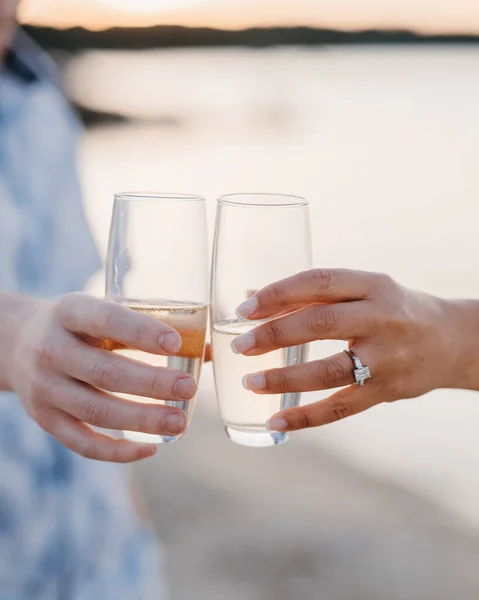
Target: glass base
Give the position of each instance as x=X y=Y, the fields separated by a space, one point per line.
x=150 y=438
x=256 y=439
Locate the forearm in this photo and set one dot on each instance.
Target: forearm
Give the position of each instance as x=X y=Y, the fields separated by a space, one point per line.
x=463 y=341
x=14 y=310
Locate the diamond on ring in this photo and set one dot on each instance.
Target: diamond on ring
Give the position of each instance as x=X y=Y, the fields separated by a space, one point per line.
x=361 y=372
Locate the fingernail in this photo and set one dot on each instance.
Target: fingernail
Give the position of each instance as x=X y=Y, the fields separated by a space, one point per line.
x=277 y=424
x=243 y=343
x=247 y=308
x=185 y=388
x=170 y=342
x=175 y=423
x=254 y=381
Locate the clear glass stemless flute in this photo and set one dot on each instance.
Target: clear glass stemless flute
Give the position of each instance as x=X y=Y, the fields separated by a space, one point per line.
x=259 y=238
x=157 y=264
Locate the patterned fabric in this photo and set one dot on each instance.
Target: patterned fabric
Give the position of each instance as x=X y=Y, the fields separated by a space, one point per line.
x=68 y=530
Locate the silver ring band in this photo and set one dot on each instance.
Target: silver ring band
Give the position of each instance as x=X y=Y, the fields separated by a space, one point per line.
x=361 y=372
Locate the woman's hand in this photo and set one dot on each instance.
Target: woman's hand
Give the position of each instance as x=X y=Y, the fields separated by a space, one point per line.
x=62 y=374
x=412 y=342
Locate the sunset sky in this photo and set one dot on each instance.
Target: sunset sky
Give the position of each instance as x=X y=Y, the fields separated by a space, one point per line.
x=426 y=15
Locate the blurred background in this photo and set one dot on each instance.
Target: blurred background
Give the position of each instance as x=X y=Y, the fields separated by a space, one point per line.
x=370 y=110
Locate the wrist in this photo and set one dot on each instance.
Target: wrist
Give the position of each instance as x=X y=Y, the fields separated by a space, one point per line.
x=462 y=331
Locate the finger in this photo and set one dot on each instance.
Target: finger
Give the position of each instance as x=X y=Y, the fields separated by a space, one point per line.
x=344 y=321
x=83 y=440
x=116 y=373
x=332 y=372
x=103 y=410
x=345 y=403
x=88 y=316
x=308 y=287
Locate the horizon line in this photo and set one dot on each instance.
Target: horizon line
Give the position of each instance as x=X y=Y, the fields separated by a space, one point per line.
x=415 y=31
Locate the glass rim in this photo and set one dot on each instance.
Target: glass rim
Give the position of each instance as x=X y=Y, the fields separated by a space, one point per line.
x=283 y=200
x=158 y=197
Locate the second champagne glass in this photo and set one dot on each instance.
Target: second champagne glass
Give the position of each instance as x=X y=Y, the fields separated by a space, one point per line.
x=157 y=264
x=259 y=239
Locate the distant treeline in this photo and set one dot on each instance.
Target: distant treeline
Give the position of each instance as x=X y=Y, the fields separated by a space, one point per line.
x=75 y=39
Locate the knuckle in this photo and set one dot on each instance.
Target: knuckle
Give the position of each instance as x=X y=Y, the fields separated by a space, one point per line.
x=66 y=306
x=397 y=320
x=385 y=278
x=322 y=277
x=325 y=319
x=399 y=359
x=104 y=373
x=369 y=318
x=113 y=454
x=302 y=420
x=45 y=353
x=142 y=333
x=273 y=294
x=329 y=374
x=338 y=410
x=94 y=411
x=87 y=449
x=273 y=332
x=277 y=380
x=102 y=317
x=154 y=385
x=144 y=420
x=384 y=282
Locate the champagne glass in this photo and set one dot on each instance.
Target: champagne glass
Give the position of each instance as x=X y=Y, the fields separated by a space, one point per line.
x=259 y=238
x=157 y=264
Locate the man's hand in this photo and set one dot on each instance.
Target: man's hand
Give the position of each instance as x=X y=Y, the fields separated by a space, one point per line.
x=59 y=368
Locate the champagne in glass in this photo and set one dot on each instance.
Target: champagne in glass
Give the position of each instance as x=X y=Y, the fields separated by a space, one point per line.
x=259 y=238
x=157 y=265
